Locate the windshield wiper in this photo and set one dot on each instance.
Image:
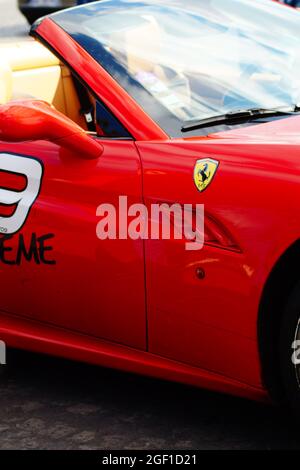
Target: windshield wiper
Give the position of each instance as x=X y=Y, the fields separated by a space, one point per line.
x=236 y=117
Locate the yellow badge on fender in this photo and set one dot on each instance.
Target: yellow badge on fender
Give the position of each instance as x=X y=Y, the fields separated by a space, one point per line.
x=204 y=172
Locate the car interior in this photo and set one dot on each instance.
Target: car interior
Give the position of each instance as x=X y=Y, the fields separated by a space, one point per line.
x=29 y=70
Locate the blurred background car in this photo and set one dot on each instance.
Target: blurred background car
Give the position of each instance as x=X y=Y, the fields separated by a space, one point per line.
x=291 y=3
x=34 y=9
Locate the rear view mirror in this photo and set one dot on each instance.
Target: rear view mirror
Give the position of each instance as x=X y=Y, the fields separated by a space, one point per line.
x=29 y=120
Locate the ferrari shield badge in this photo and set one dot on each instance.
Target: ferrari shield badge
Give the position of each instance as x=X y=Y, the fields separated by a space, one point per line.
x=204 y=172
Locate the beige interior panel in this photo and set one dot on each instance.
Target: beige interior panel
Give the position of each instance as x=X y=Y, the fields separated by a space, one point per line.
x=6 y=82
x=71 y=99
x=27 y=55
x=42 y=83
x=29 y=70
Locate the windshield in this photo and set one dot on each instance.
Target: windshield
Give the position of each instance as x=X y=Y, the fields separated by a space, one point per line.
x=193 y=59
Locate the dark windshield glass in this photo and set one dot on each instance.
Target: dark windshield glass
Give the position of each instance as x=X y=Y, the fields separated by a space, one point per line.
x=192 y=59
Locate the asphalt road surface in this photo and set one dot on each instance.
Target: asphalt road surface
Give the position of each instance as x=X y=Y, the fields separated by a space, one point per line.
x=49 y=403
x=12 y=22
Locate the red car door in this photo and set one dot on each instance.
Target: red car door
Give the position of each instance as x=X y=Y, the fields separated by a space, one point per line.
x=54 y=269
x=188 y=320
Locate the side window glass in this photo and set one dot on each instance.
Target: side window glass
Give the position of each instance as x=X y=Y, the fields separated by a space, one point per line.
x=107 y=125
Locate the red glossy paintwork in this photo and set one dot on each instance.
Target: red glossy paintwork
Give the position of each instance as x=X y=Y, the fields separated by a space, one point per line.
x=22 y=121
x=90 y=289
x=212 y=323
x=42 y=338
x=140 y=306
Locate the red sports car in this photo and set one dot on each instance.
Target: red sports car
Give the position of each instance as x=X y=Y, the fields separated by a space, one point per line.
x=178 y=102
